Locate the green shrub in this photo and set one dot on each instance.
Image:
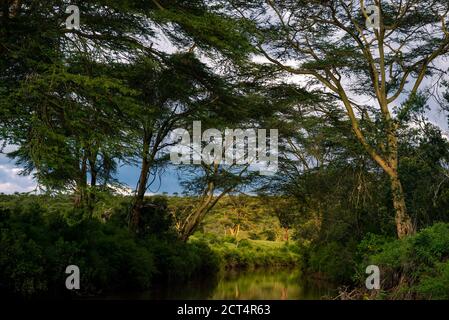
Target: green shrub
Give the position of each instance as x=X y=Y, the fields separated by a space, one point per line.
x=332 y=260
x=179 y=261
x=248 y=254
x=229 y=239
x=416 y=266
x=435 y=285
x=38 y=242
x=244 y=244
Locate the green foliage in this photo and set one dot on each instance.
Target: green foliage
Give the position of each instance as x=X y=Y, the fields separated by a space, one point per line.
x=435 y=286
x=253 y=236
x=38 y=242
x=155 y=219
x=250 y=254
x=333 y=261
x=229 y=239
x=77 y=103
x=371 y=244
x=270 y=235
x=179 y=261
x=252 y=214
x=416 y=266
x=344 y=201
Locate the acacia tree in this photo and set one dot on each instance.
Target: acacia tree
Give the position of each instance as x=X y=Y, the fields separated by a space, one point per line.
x=71 y=109
x=54 y=135
x=246 y=108
x=173 y=92
x=64 y=104
x=208 y=181
x=61 y=98
x=209 y=184
x=371 y=58
x=328 y=182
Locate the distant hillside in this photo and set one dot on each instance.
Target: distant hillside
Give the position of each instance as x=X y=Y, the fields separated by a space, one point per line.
x=245 y=217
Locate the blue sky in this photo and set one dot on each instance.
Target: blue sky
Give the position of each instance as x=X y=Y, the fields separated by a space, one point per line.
x=11 y=181
x=169 y=181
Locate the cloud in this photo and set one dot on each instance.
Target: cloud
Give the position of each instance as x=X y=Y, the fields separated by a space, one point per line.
x=11 y=181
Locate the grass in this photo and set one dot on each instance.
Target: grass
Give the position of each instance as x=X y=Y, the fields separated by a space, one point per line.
x=253 y=217
x=250 y=254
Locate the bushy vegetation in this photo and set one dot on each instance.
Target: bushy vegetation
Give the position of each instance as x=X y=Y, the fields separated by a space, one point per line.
x=40 y=237
x=244 y=233
x=331 y=261
x=249 y=254
x=415 y=267
x=344 y=213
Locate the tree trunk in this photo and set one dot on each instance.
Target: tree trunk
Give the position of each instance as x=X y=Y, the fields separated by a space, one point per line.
x=91 y=197
x=141 y=186
x=81 y=187
x=193 y=221
x=390 y=164
x=140 y=195
x=404 y=225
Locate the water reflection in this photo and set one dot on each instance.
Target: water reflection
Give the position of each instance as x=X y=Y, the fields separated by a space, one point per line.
x=239 y=285
x=269 y=285
x=248 y=285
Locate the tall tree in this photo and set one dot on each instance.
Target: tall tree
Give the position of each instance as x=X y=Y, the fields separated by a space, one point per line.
x=370 y=58
x=173 y=92
x=61 y=97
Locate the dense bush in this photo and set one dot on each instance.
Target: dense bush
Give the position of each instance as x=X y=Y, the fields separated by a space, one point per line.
x=331 y=261
x=40 y=237
x=270 y=235
x=178 y=261
x=254 y=236
x=414 y=267
x=248 y=254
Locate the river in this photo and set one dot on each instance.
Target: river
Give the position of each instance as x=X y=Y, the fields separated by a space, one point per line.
x=239 y=285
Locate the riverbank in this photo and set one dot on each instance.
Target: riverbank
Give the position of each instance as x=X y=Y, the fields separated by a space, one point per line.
x=40 y=236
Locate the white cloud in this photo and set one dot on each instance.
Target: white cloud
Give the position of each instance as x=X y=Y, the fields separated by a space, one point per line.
x=10 y=181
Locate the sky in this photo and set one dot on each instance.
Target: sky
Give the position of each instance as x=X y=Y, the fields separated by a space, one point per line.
x=11 y=181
